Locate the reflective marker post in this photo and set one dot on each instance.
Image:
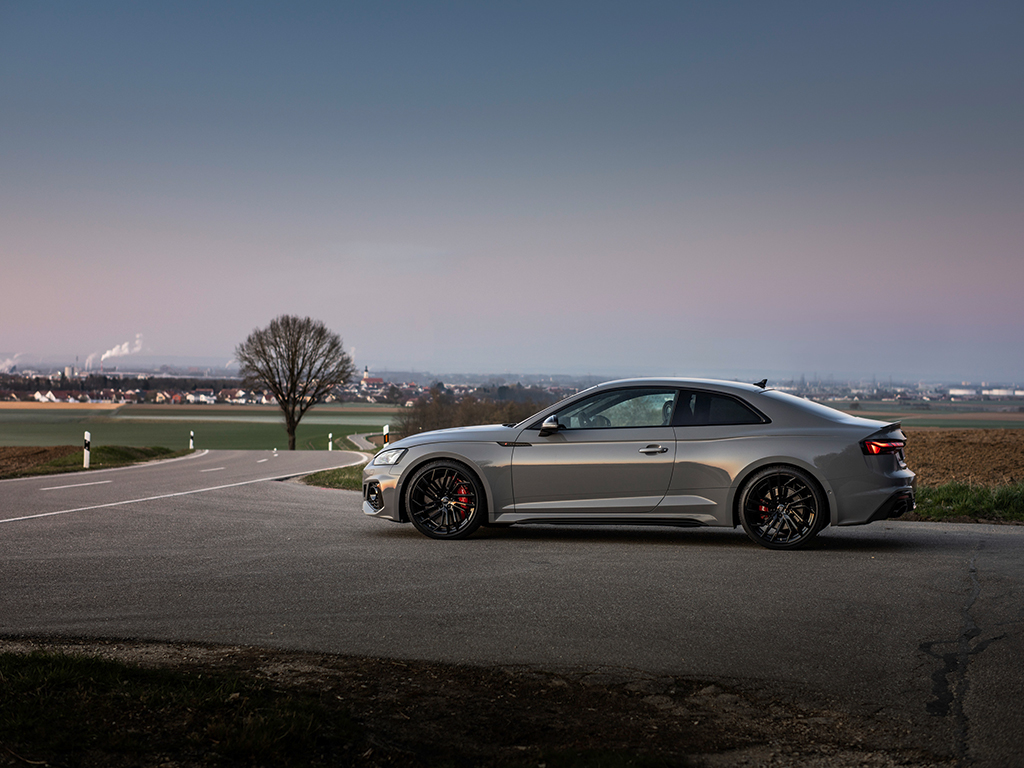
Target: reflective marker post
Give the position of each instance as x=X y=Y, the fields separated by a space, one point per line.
x=330 y=441
x=386 y=437
x=88 y=440
x=191 y=440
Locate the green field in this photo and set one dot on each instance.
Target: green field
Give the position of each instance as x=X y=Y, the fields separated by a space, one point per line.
x=995 y=414
x=169 y=427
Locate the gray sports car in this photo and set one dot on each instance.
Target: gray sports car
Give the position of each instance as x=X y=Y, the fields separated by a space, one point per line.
x=685 y=452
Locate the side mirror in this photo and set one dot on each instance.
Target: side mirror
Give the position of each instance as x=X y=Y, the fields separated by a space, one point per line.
x=549 y=426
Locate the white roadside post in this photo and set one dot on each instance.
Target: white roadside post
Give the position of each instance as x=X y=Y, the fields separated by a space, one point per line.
x=386 y=437
x=330 y=441
x=191 y=440
x=88 y=439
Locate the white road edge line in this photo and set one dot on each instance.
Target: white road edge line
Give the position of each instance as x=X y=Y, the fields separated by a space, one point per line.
x=215 y=469
x=76 y=485
x=172 y=495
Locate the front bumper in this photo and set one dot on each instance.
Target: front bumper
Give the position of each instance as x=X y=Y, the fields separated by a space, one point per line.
x=380 y=497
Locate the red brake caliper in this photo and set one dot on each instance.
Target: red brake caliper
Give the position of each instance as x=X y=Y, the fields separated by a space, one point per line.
x=462 y=493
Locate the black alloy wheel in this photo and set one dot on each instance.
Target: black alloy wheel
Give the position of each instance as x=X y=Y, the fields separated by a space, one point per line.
x=445 y=501
x=782 y=508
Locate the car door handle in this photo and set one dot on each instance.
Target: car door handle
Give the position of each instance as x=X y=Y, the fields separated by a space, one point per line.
x=653 y=449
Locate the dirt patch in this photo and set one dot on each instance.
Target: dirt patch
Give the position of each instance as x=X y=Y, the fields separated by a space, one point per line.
x=975 y=456
x=419 y=714
x=35 y=406
x=14 y=459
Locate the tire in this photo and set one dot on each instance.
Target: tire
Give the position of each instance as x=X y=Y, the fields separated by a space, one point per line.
x=782 y=508
x=444 y=500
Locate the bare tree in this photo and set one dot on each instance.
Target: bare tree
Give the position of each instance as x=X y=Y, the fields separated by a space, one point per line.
x=299 y=360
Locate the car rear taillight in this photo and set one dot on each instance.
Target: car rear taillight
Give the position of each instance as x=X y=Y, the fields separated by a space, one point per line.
x=880 y=447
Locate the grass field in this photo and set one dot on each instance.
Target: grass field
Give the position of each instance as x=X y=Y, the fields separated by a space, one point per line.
x=1004 y=414
x=258 y=428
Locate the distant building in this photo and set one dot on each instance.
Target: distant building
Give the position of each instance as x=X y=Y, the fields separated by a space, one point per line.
x=961 y=392
x=997 y=392
x=368 y=381
x=202 y=396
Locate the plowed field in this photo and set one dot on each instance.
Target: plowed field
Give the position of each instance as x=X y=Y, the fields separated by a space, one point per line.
x=975 y=456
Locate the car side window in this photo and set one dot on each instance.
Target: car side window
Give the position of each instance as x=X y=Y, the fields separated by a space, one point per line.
x=621 y=408
x=709 y=408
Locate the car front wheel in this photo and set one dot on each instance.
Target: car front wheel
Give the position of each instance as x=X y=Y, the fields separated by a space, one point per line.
x=782 y=508
x=444 y=500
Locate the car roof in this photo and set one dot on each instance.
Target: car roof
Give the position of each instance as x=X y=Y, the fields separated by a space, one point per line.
x=675 y=381
x=776 y=404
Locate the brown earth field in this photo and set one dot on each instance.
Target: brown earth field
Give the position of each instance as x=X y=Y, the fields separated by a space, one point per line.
x=974 y=456
x=415 y=713
x=34 y=406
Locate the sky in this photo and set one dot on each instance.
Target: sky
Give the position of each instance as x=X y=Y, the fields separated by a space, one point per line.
x=725 y=189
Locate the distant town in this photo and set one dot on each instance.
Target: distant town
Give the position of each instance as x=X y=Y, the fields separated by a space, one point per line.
x=204 y=387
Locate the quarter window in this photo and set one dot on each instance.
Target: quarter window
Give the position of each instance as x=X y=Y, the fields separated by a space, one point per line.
x=708 y=408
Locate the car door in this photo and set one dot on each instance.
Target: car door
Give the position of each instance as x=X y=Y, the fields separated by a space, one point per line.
x=716 y=436
x=612 y=455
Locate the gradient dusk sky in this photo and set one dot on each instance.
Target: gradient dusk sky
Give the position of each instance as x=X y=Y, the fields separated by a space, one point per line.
x=635 y=188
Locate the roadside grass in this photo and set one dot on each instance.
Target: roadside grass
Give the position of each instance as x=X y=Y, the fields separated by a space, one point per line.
x=76 y=710
x=344 y=479
x=100 y=457
x=959 y=502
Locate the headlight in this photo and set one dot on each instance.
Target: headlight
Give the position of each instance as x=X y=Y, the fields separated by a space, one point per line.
x=389 y=458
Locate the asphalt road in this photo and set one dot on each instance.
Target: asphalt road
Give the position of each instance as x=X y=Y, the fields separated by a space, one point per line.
x=918 y=625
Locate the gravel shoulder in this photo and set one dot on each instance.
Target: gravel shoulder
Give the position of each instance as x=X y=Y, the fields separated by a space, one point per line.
x=418 y=714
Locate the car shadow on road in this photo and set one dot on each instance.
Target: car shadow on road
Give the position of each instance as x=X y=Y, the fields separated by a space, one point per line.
x=603 y=534
x=670 y=536
x=702 y=537
x=659 y=535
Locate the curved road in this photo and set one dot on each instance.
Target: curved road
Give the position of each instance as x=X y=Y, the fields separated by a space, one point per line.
x=921 y=625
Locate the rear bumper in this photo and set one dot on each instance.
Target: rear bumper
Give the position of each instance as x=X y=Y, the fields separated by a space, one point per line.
x=896 y=505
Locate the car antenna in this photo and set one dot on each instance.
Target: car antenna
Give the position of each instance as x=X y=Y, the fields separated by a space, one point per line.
x=762 y=383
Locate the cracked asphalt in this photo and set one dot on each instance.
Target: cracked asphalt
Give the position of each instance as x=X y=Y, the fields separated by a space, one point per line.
x=917 y=626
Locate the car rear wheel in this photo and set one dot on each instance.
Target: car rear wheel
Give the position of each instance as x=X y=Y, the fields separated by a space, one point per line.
x=782 y=508
x=444 y=500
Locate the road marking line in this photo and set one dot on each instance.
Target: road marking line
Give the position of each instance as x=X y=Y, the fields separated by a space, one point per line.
x=215 y=469
x=76 y=485
x=262 y=460
x=172 y=495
